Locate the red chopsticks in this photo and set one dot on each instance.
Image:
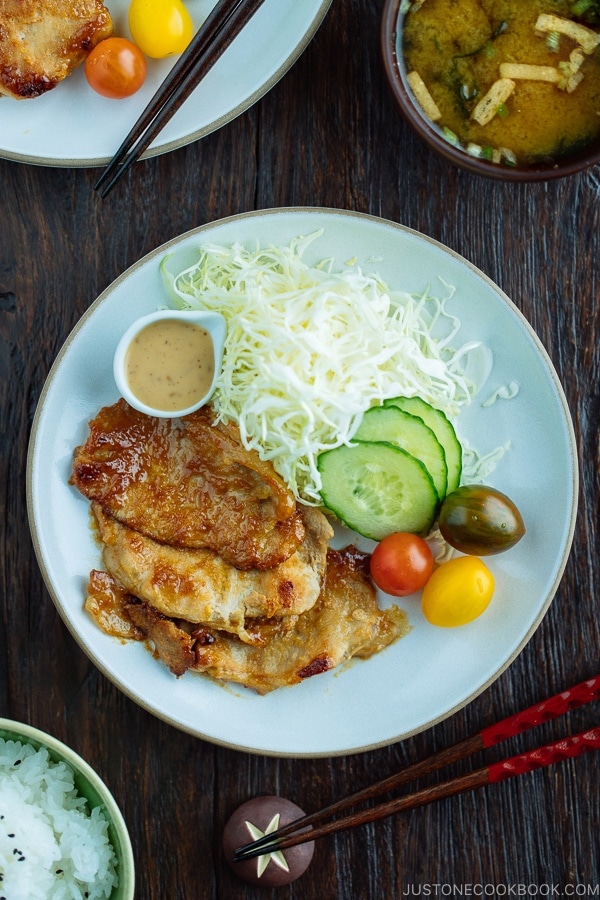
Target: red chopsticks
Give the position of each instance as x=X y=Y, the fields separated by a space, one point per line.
x=567 y=748
x=216 y=33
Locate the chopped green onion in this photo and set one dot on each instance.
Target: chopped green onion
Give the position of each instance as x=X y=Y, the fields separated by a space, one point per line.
x=450 y=136
x=566 y=69
x=502 y=111
x=490 y=51
x=487 y=152
x=474 y=150
x=508 y=156
x=468 y=93
x=553 y=41
x=581 y=6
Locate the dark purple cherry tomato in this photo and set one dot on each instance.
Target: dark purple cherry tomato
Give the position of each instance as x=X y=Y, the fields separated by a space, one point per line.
x=480 y=521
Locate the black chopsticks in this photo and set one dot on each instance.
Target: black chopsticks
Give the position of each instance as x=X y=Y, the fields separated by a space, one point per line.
x=220 y=28
x=316 y=825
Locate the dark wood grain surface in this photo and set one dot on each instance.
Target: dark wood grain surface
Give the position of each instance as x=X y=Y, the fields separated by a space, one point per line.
x=326 y=135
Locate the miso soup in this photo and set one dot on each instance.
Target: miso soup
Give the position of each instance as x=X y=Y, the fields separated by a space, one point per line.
x=514 y=81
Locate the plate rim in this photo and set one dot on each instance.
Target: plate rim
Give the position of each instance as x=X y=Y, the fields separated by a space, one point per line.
x=569 y=534
x=177 y=143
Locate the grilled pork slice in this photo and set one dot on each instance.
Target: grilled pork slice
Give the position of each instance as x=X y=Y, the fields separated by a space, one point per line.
x=344 y=622
x=188 y=483
x=42 y=41
x=115 y=612
x=105 y=601
x=173 y=645
x=200 y=587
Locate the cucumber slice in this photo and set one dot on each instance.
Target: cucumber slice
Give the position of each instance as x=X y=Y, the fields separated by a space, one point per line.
x=411 y=434
x=377 y=488
x=443 y=430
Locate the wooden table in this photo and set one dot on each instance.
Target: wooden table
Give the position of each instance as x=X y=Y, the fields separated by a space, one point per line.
x=327 y=135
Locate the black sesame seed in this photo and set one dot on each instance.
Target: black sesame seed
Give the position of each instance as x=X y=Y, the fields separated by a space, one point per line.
x=10 y=835
x=17 y=762
x=59 y=871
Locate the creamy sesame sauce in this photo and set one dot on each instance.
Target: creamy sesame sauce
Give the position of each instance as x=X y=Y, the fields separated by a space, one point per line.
x=170 y=364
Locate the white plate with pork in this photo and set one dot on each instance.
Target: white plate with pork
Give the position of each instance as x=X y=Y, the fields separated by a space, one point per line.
x=73 y=126
x=427 y=674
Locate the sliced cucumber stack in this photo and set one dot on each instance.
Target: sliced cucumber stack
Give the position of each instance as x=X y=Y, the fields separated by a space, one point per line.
x=404 y=459
x=411 y=434
x=443 y=430
x=377 y=488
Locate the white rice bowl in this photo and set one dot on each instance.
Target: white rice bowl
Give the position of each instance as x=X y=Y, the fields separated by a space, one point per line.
x=53 y=846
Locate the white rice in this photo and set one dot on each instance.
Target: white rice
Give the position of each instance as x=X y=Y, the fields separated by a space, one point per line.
x=51 y=847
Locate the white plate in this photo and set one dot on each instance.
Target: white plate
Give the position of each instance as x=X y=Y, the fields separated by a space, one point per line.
x=71 y=125
x=428 y=674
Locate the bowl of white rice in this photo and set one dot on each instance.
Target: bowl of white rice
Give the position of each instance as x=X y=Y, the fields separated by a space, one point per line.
x=62 y=835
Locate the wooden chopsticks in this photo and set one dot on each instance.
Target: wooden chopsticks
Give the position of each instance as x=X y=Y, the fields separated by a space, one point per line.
x=219 y=29
x=314 y=825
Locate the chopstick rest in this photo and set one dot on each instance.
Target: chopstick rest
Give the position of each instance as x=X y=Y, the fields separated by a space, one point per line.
x=549 y=709
x=261 y=816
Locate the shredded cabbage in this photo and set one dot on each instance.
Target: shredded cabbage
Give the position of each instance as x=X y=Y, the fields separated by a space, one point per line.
x=477 y=467
x=308 y=350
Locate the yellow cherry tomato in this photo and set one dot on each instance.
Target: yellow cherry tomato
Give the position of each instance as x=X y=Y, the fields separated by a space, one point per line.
x=457 y=592
x=160 y=27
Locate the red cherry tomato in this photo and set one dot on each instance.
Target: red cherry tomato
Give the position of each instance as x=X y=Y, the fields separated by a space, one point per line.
x=401 y=564
x=115 y=68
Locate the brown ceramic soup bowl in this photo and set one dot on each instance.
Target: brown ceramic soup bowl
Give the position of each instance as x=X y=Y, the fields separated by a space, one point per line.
x=391 y=49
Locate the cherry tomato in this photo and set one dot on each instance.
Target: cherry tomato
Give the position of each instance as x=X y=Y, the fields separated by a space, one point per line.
x=401 y=564
x=457 y=592
x=115 y=68
x=480 y=520
x=160 y=27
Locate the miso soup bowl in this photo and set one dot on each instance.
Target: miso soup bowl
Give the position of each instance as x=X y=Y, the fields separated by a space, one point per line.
x=391 y=51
